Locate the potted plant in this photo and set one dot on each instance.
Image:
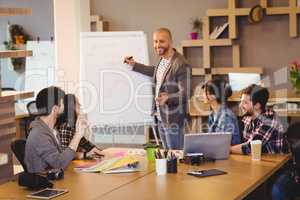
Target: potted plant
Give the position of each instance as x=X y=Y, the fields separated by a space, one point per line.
x=197 y=28
x=295 y=76
x=18 y=39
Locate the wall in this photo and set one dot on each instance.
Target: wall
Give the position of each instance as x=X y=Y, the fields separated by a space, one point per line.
x=39 y=24
x=71 y=17
x=264 y=45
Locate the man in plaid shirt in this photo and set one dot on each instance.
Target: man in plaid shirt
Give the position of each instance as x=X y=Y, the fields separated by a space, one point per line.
x=260 y=123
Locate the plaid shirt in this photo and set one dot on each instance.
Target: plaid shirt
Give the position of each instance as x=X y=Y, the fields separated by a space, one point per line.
x=66 y=134
x=267 y=128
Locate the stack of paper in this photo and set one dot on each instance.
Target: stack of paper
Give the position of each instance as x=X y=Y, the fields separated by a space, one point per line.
x=113 y=165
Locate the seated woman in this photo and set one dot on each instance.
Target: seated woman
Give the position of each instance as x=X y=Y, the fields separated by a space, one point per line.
x=66 y=126
x=222 y=119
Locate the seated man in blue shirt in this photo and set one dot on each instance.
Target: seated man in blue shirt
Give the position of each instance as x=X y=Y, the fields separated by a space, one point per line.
x=43 y=151
x=222 y=119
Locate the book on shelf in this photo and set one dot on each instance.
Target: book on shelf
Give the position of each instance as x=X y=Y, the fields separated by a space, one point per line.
x=218 y=31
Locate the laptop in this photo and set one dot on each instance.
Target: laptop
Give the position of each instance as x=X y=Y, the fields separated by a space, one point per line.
x=212 y=145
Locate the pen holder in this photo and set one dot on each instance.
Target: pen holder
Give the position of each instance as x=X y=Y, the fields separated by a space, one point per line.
x=161 y=166
x=172 y=166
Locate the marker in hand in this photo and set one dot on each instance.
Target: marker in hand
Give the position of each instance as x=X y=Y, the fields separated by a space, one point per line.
x=127 y=59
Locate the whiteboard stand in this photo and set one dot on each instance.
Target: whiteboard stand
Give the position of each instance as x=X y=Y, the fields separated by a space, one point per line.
x=155 y=134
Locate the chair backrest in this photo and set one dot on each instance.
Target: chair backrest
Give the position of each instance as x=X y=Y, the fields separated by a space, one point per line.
x=31 y=108
x=18 y=148
x=33 y=112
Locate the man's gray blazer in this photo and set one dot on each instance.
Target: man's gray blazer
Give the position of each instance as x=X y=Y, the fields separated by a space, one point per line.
x=177 y=83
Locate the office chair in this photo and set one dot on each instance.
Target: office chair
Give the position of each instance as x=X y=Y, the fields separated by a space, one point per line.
x=18 y=148
x=33 y=112
x=31 y=108
x=30 y=180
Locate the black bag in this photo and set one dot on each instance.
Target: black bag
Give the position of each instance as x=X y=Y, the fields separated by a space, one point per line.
x=34 y=181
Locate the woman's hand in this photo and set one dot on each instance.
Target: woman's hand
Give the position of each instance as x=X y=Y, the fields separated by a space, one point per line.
x=95 y=152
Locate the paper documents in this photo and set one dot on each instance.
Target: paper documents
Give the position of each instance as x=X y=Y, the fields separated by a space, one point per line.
x=113 y=165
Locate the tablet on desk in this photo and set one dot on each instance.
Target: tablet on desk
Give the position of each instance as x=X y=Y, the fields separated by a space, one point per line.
x=207 y=173
x=47 y=193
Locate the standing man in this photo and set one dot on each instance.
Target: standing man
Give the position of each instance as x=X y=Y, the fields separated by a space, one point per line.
x=171 y=77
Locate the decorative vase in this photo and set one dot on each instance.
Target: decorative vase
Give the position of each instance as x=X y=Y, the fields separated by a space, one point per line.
x=194 y=35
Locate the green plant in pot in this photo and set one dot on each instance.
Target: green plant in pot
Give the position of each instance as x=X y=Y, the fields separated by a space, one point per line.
x=196 y=28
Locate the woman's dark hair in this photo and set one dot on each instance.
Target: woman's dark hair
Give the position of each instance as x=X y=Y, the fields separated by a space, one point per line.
x=219 y=88
x=69 y=116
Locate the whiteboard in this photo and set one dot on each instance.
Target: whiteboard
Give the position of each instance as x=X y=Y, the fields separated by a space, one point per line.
x=110 y=92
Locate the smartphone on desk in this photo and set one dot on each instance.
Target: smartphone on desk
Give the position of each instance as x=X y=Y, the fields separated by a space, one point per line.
x=206 y=173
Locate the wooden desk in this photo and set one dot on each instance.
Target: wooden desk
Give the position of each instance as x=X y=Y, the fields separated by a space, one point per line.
x=81 y=186
x=243 y=177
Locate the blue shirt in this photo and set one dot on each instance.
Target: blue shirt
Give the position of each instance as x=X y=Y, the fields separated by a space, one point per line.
x=225 y=121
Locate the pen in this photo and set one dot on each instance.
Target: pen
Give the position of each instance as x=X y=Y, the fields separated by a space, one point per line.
x=166 y=153
x=156 y=155
x=159 y=154
x=173 y=157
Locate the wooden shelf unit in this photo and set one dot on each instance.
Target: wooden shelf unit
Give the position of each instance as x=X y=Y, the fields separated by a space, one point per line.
x=7 y=103
x=17 y=95
x=206 y=43
x=197 y=71
x=292 y=10
x=232 y=12
x=15 y=11
x=15 y=54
